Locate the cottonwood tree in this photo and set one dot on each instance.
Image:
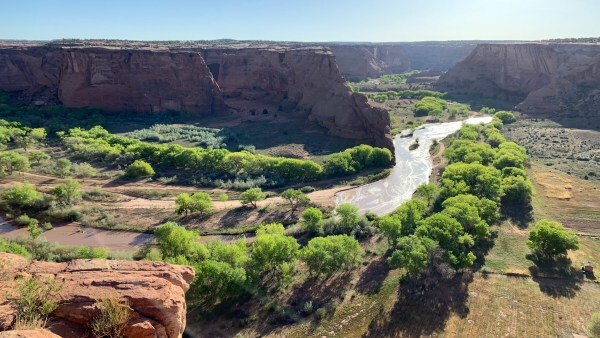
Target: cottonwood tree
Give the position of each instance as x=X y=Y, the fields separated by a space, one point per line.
x=551 y=239
x=428 y=191
x=62 y=167
x=11 y=161
x=197 y=202
x=312 y=220
x=252 y=196
x=294 y=197
x=327 y=255
x=412 y=253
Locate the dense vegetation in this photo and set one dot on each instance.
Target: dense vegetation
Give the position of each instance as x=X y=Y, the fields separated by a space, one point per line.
x=218 y=165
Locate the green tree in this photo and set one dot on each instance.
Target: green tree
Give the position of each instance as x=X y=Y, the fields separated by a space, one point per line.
x=139 y=169
x=67 y=194
x=252 y=196
x=516 y=190
x=84 y=170
x=391 y=228
x=428 y=191
x=295 y=198
x=174 y=241
x=348 y=217
x=472 y=178
x=410 y=214
x=197 y=202
x=379 y=157
x=270 y=251
x=215 y=282
x=505 y=116
x=550 y=239
x=312 y=220
x=326 y=255
x=450 y=236
x=31 y=137
x=487 y=209
x=412 y=253
x=339 y=164
x=23 y=195
x=224 y=198
x=12 y=161
x=62 y=167
x=39 y=157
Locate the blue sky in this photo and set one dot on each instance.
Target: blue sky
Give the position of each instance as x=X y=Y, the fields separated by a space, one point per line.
x=306 y=20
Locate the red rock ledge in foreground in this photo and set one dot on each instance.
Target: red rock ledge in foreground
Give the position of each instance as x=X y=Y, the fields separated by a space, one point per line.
x=155 y=292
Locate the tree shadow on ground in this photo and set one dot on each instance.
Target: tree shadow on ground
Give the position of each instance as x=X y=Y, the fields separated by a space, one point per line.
x=520 y=215
x=320 y=291
x=425 y=304
x=237 y=216
x=372 y=278
x=556 y=277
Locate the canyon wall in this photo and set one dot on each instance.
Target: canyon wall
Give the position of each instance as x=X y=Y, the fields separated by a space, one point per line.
x=155 y=292
x=546 y=79
x=298 y=81
x=362 y=61
x=303 y=82
x=112 y=79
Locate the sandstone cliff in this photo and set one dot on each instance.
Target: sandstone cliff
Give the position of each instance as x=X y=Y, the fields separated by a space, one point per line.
x=361 y=61
x=539 y=78
x=301 y=81
x=154 y=290
x=112 y=79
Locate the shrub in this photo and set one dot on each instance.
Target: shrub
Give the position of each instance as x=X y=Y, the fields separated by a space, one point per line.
x=111 y=320
x=23 y=220
x=35 y=300
x=14 y=248
x=22 y=195
x=139 y=169
x=593 y=326
x=326 y=255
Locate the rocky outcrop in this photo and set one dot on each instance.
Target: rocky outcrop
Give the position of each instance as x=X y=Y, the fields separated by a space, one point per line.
x=546 y=79
x=362 y=61
x=299 y=82
x=155 y=292
x=111 y=79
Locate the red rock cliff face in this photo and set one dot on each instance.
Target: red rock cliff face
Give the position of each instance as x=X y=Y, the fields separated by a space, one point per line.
x=129 y=80
x=304 y=82
x=155 y=292
x=544 y=79
x=361 y=61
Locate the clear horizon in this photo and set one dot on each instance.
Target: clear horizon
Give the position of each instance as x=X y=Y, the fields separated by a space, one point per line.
x=306 y=21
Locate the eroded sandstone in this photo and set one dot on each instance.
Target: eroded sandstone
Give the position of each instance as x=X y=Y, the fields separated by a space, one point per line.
x=155 y=292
